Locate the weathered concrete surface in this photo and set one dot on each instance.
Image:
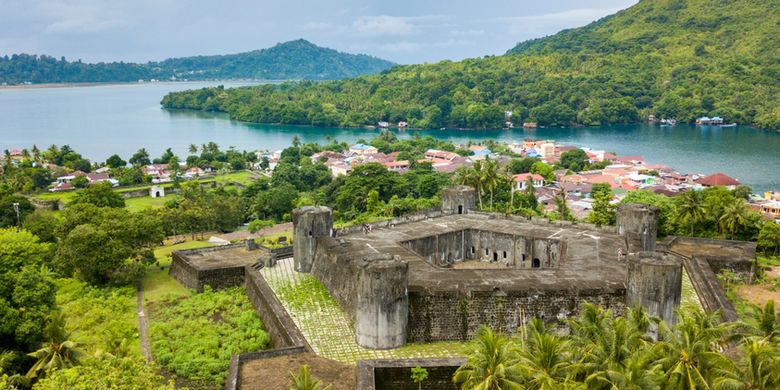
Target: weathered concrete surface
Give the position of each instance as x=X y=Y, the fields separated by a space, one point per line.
x=458 y=199
x=639 y=224
x=382 y=303
x=219 y=267
x=309 y=223
x=452 y=302
x=394 y=374
x=655 y=283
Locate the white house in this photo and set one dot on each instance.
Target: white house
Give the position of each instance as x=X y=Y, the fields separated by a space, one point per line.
x=522 y=179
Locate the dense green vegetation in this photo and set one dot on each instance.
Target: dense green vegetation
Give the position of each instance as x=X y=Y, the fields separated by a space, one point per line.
x=671 y=58
x=196 y=337
x=619 y=352
x=292 y=60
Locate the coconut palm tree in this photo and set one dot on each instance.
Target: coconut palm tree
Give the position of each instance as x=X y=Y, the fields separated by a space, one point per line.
x=491 y=363
x=735 y=217
x=491 y=178
x=55 y=355
x=690 y=209
x=689 y=356
x=759 y=368
x=58 y=352
x=613 y=352
x=761 y=324
x=304 y=381
x=544 y=362
x=471 y=177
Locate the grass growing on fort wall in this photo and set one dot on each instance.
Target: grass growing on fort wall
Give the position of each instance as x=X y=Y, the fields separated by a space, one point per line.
x=328 y=328
x=194 y=337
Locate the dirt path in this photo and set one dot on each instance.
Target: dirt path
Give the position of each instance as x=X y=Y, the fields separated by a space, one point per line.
x=759 y=294
x=143 y=323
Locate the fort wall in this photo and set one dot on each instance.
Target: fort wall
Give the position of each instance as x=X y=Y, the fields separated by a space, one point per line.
x=453 y=315
x=395 y=374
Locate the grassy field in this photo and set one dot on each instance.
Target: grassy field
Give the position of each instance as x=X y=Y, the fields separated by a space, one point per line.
x=103 y=319
x=147 y=202
x=242 y=177
x=157 y=284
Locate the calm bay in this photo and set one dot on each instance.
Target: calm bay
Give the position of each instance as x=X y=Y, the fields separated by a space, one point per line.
x=98 y=121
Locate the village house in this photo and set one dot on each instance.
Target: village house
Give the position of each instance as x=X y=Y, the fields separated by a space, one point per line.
x=521 y=181
x=397 y=166
x=630 y=160
x=719 y=179
x=480 y=154
x=362 y=149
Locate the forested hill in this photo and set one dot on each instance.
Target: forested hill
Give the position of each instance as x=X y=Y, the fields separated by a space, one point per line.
x=672 y=58
x=294 y=60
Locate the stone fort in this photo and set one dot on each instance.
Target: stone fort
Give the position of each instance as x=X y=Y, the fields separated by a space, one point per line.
x=441 y=274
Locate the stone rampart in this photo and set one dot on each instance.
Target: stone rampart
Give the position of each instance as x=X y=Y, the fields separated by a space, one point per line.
x=408 y=218
x=395 y=374
x=453 y=315
x=237 y=362
x=276 y=320
x=335 y=267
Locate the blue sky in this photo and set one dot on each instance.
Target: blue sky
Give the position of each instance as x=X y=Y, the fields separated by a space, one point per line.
x=404 y=31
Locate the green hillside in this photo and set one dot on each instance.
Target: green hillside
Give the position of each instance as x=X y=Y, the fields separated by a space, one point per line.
x=294 y=60
x=671 y=58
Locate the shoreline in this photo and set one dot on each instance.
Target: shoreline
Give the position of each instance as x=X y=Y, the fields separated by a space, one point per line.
x=64 y=85
x=115 y=83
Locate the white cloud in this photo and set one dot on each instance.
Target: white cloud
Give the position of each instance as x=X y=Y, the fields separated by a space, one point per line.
x=410 y=47
x=78 y=17
x=553 y=22
x=467 y=33
x=386 y=25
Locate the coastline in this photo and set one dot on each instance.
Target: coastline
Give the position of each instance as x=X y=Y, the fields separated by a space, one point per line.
x=65 y=85
x=114 y=83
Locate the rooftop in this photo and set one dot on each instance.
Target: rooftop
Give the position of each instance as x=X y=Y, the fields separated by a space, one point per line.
x=590 y=259
x=222 y=257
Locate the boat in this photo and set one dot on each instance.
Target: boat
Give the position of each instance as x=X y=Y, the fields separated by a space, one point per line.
x=668 y=122
x=729 y=125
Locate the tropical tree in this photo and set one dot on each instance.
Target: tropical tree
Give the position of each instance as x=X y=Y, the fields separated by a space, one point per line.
x=471 y=176
x=734 y=218
x=491 y=363
x=761 y=324
x=492 y=178
x=419 y=375
x=543 y=363
x=690 y=209
x=769 y=237
x=688 y=356
x=759 y=368
x=304 y=381
x=612 y=352
x=57 y=353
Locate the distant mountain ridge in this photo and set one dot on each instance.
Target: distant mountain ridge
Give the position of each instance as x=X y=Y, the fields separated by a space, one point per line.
x=677 y=59
x=293 y=60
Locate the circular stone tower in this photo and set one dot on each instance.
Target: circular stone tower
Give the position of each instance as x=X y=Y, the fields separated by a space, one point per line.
x=382 y=303
x=458 y=199
x=655 y=283
x=309 y=222
x=639 y=224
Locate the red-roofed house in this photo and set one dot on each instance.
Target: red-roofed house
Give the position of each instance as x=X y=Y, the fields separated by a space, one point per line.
x=522 y=179
x=595 y=179
x=397 y=166
x=719 y=179
x=632 y=160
